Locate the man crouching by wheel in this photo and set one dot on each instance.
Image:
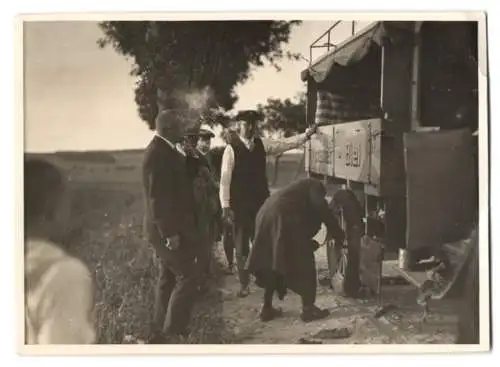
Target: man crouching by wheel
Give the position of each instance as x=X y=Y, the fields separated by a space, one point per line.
x=282 y=256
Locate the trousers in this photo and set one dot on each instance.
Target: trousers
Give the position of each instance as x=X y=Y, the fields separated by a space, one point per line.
x=175 y=292
x=243 y=230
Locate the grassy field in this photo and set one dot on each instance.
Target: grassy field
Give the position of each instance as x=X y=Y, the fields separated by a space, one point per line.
x=105 y=230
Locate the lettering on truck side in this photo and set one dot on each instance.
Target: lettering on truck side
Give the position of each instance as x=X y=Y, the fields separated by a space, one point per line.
x=321 y=156
x=352 y=155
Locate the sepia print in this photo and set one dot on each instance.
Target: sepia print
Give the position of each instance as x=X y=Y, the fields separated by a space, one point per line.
x=236 y=181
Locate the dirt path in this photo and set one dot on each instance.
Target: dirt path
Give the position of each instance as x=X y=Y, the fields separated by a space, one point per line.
x=400 y=326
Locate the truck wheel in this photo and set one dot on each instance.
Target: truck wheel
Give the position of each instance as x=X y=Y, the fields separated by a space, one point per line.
x=349 y=212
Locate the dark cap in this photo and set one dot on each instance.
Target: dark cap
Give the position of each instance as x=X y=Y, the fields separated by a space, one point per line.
x=251 y=116
x=192 y=131
x=206 y=134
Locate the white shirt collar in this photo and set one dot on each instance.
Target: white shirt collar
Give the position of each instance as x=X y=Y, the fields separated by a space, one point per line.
x=248 y=142
x=176 y=146
x=166 y=140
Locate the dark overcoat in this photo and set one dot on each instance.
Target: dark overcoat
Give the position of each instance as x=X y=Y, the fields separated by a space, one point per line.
x=285 y=226
x=206 y=197
x=169 y=198
x=214 y=159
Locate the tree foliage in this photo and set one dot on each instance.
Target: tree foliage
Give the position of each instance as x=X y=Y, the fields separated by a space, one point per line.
x=286 y=116
x=177 y=55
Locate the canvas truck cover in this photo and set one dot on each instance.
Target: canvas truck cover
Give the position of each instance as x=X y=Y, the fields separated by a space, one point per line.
x=354 y=49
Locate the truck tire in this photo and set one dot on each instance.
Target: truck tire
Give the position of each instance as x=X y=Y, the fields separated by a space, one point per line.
x=345 y=203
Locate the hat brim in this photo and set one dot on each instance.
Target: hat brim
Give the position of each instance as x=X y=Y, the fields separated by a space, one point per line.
x=249 y=121
x=249 y=116
x=191 y=134
x=207 y=136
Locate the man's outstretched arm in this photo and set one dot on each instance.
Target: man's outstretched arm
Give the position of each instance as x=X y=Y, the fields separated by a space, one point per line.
x=279 y=146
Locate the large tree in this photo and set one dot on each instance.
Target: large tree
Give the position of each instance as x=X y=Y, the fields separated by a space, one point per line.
x=170 y=56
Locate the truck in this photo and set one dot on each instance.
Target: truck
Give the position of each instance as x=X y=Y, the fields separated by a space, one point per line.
x=396 y=110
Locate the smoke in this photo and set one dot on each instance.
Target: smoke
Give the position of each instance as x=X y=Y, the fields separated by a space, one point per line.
x=189 y=104
x=198 y=100
x=191 y=101
x=185 y=100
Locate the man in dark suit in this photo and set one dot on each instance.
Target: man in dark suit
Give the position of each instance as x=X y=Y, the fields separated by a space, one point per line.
x=170 y=225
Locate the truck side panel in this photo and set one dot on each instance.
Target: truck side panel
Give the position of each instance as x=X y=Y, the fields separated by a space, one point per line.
x=320 y=152
x=353 y=152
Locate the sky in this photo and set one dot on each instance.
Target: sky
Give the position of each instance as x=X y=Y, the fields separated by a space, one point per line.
x=80 y=97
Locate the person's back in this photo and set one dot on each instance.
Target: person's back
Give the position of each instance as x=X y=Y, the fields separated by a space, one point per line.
x=282 y=255
x=294 y=191
x=58 y=287
x=296 y=198
x=59 y=300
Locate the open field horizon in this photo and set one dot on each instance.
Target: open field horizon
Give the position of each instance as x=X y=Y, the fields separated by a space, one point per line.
x=125 y=166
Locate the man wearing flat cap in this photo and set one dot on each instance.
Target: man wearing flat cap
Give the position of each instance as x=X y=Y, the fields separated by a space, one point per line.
x=206 y=205
x=205 y=138
x=244 y=186
x=203 y=141
x=213 y=158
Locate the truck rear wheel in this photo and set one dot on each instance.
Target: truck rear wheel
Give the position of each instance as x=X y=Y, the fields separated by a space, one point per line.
x=349 y=212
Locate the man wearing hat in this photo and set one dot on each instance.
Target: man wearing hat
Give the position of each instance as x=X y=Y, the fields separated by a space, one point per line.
x=213 y=159
x=244 y=186
x=221 y=230
x=204 y=141
x=169 y=224
x=206 y=205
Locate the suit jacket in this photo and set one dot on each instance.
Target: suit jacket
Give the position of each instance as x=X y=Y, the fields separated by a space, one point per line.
x=214 y=158
x=168 y=195
x=203 y=160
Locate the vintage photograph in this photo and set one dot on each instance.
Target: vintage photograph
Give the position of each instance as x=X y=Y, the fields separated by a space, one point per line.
x=236 y=181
